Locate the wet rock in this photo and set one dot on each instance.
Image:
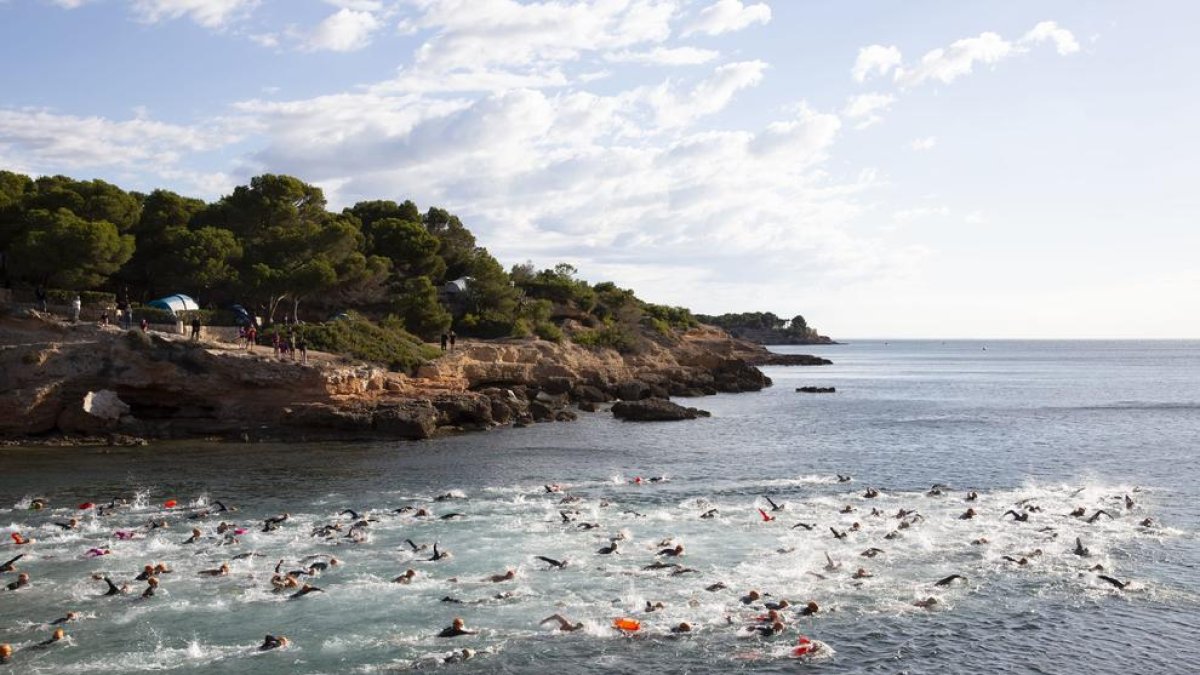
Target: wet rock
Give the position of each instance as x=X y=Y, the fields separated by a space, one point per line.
x=588 y=406
x=816 y=390
x=540 y=412
x=586 y=392
x=655 y=410
x=633 y=390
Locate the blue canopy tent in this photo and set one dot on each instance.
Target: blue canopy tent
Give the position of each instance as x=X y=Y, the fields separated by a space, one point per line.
x=174 y=303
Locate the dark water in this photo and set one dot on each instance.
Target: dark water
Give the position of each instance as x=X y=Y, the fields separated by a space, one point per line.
x=1061 y=424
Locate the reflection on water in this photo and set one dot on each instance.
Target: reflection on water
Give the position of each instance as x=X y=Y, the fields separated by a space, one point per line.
x=1035 y=427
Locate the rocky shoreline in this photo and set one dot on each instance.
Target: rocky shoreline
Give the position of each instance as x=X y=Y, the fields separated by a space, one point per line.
x=62 y=383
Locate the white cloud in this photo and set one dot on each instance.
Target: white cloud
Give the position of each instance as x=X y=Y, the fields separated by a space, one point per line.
x=207 y=13
x=948 y=64
x=69 y=4
x=45 y=139
x=677 y=56
x=674 y=108
x=1064 y=40
x=725 y=16
x=922 y=144
x=344 y=31
x=875 y=59
x=866 y=108
x=905 y=216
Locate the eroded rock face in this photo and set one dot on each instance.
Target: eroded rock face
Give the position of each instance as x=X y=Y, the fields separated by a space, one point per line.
x=655 y=410
x=85 y=379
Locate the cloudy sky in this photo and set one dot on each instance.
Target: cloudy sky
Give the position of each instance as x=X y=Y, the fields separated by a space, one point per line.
x=918 y=169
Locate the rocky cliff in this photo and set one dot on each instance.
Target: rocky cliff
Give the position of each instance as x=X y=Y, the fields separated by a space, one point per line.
x=98 y=381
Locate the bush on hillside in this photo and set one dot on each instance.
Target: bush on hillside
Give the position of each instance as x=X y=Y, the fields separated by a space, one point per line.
x=387 y=342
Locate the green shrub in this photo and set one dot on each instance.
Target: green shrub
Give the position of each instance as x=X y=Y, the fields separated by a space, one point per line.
x=613 y=336
x=548 y=331
x=58 y=296
x=521 y=329
x=154 y=315
x=388 y=344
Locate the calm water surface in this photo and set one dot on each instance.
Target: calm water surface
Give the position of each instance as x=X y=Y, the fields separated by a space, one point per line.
x=1049 y=425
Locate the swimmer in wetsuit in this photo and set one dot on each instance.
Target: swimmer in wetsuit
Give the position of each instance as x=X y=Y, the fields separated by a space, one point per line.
x=1080 y=549
x=21 y=582
x=949 y=580
x=1017 y=517
x=114 y=589
x=11 y=564
x=71 y=616
x=1097 y=514
x=456 y=629
x=672 y=552
x=305 y=590
x=564 y=624
x=608 y=550
x=6 y=652
x=58 y=636
x=497 y=578
x=774 y=506
x=273 y=642
x=196 y=534
x=1121 y=585
x=406 y=578
x=221 y=571
x=558 y=564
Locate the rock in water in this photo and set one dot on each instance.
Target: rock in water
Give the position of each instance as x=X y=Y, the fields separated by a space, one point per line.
x=816 y=390
x=655 y=410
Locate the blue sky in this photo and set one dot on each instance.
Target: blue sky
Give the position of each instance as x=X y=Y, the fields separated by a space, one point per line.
x=915 y=169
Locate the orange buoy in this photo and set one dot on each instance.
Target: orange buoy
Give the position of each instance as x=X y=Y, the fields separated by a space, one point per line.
x=627 y=624
x=170 y=504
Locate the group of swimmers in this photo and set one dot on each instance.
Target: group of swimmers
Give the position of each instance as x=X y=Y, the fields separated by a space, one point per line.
x=754 y=614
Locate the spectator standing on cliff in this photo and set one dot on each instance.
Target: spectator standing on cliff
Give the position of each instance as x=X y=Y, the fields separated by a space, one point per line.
x=303 y=347
x=76 y=305
x=453 y=337
x=195 y=327
x=251 y=338
x=445 y=341
x=40 y=294
x=104 y=317
x=145 y=325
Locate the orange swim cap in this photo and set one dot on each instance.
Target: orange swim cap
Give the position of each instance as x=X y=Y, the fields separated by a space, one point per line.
x=627 y=624
x=170 y=504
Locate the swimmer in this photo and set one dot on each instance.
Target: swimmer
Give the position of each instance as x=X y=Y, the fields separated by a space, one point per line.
x=927 y=603
x=777 y=606
x=893 y=535
x=587 y=526
x=610 y=549
x=871 y=493
x=1121 y=585
x=558 y=564
x=836 y=534
x=1149 y=522
x=273 y=642
x=414 y=547
x=456 y=629
x=114 y=589
x=438 y=554
x=806 y=526
x=968 y=514
x=11 y=564
x=1096 y=568
x=406 y=578
x=553 y=488
x=353 y=514
x=21 y=582
x=774 y=506
x=452 y=516
x=711 y=513
x=422 y=513
x=196 y=534
x=683 y=627
x=972 y=496
x=871 y=552
x=847 y=509
x=150 y=588
x=568 y=517
x=221 y=571
x=1022 y=561
x=147 y=572
x=1080 y=549
x=1097 y=514
x=672 y=552
x=680 y=570
x=768 y=631
x=843 y=479
x=71 y=616
x=1017 y=517
x=6 y=652
x=862 y=573
x=498 y=578
x=1077 y=512
x=980 y=541
x=830 y=565
x=765 y=516
x=811 y=608
x=58 y=636
x=751 y=597
x=20 y=539
x=273 y=523
x=1128 y=502
x=950 y=579
x=445 y=497
x=305 y=590
x=654 y=606
x=936 y=490
x=69 y=525
x=460 y=656
x=713 y=588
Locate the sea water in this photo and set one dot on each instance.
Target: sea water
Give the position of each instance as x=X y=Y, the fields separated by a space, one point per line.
x=1040 y=428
